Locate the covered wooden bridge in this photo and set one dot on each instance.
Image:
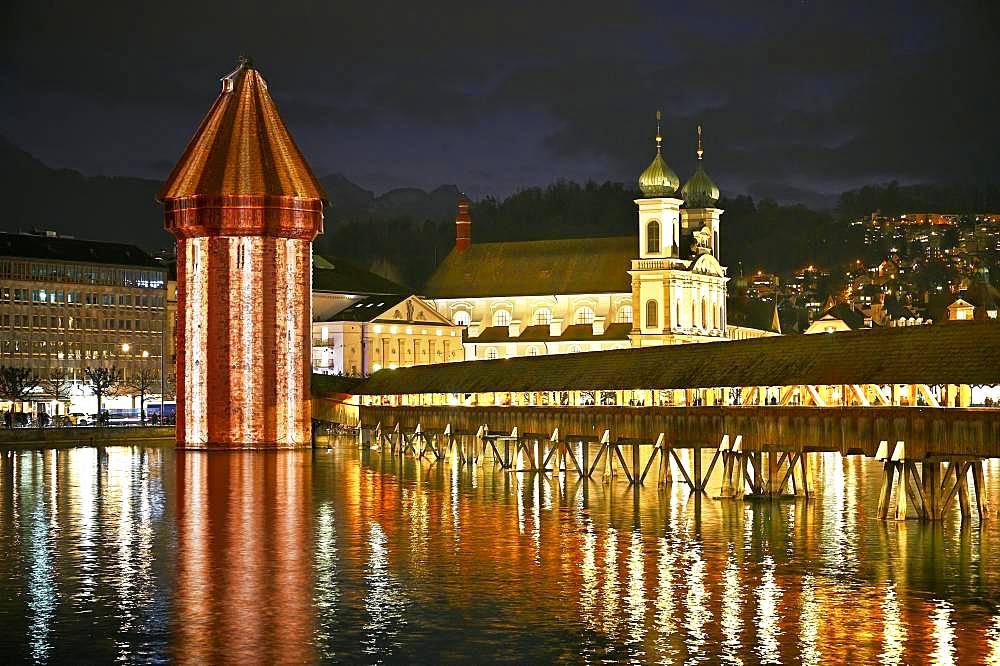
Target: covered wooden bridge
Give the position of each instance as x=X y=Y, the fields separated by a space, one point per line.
x=907 y=396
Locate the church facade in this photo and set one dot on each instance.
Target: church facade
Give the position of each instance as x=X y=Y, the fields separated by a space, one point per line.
x=663 y=285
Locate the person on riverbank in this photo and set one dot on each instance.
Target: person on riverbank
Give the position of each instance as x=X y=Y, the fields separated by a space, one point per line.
x=8 y=420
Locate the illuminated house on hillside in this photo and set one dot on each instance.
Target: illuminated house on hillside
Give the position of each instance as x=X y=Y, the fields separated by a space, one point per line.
x=663 y=285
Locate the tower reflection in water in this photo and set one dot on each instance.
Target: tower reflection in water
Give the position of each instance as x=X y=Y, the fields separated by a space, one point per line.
x=244 y=563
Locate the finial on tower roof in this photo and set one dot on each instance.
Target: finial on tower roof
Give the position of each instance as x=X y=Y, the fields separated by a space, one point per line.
x=701 y=149
x=659 y=138
x=246 y=61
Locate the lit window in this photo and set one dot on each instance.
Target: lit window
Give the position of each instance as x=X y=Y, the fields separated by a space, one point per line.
x=501 y=318
x=652 y=315
x=462 y=318
x=585 y=315
x=653 y=237
x=532 y=351
x=543 y=317
x=575 y=349
x=491 y=354
x=624 y=315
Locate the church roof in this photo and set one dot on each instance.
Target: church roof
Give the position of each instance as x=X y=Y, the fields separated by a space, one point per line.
x=242 y=147
x=536 y=268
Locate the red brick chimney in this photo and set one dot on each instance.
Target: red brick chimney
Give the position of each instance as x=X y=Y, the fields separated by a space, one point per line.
x=463 y=225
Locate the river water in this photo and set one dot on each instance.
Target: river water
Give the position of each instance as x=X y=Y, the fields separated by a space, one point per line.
x=132 y=554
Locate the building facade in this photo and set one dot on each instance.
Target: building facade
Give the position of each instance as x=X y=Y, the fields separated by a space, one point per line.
x=384 y=332
x=663 y=285
x=68 y=304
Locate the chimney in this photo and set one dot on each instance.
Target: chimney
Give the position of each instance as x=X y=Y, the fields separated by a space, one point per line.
x=463 y=225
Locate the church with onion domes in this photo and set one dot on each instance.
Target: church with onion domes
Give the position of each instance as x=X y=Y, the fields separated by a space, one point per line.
x=663 y=285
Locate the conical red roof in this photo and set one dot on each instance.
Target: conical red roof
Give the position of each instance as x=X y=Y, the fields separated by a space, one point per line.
x=242 y=148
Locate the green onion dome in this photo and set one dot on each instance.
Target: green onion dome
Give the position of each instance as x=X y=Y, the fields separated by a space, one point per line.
x=659 y=180
x=700 y=191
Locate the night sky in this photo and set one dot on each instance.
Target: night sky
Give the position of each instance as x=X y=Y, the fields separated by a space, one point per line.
x=819 y=96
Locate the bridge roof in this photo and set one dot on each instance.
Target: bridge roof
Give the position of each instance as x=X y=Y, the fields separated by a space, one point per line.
x=946 y=353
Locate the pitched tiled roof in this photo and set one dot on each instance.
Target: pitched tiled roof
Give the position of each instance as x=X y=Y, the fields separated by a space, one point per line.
x=753 y=313
x=948 y=353
x=541 y=333
x=536 y=268
x=368 y=309
x=36 y=246
x=342 y=277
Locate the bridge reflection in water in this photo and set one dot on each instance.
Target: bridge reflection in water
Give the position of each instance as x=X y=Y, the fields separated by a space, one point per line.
x=361 y=556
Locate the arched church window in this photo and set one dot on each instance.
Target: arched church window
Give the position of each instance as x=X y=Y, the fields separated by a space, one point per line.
x=624 y=315
x=678 y=321
x=652 y=315
x=584 y=315
x=462 y=318
x=501 y=318
x=704 y=312
x=653 y=237
x=543 y=317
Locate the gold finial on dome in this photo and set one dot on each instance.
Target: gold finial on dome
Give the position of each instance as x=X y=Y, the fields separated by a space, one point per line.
x=659 y=138
x=701 y=150
x=658 y=180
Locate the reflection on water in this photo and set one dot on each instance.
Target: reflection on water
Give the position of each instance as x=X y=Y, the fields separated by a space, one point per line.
x=129 y=554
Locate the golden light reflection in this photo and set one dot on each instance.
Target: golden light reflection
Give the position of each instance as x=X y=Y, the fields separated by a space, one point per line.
x=893 y=630
x=664 y=603
x=993 y=636
x=635 y=599
x=767 y=619
x=732 y=606
x=809 y=622
x=696 y=601
x=944 y=635
x=610 y=592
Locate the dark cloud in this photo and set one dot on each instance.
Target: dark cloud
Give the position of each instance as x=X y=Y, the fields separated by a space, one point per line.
x=810 y=96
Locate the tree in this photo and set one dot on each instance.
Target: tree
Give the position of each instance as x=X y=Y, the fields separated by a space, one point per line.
x=17 y=383
x=58 y=385
x=143 y=381
x=102 y=381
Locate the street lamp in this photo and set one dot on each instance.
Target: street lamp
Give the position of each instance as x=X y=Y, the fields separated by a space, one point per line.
x=125 y=347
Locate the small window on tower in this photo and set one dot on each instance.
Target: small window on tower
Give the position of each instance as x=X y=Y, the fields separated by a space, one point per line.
x=501 y=318
x=653 y=237
x=652 y=315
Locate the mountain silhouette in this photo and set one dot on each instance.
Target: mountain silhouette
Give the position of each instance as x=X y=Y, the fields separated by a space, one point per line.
x=124 y=209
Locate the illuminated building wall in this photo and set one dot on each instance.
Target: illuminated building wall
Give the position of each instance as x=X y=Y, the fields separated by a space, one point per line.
x=244 y=208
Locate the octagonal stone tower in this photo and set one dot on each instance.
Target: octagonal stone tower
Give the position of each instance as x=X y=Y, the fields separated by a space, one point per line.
x=244 y=207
